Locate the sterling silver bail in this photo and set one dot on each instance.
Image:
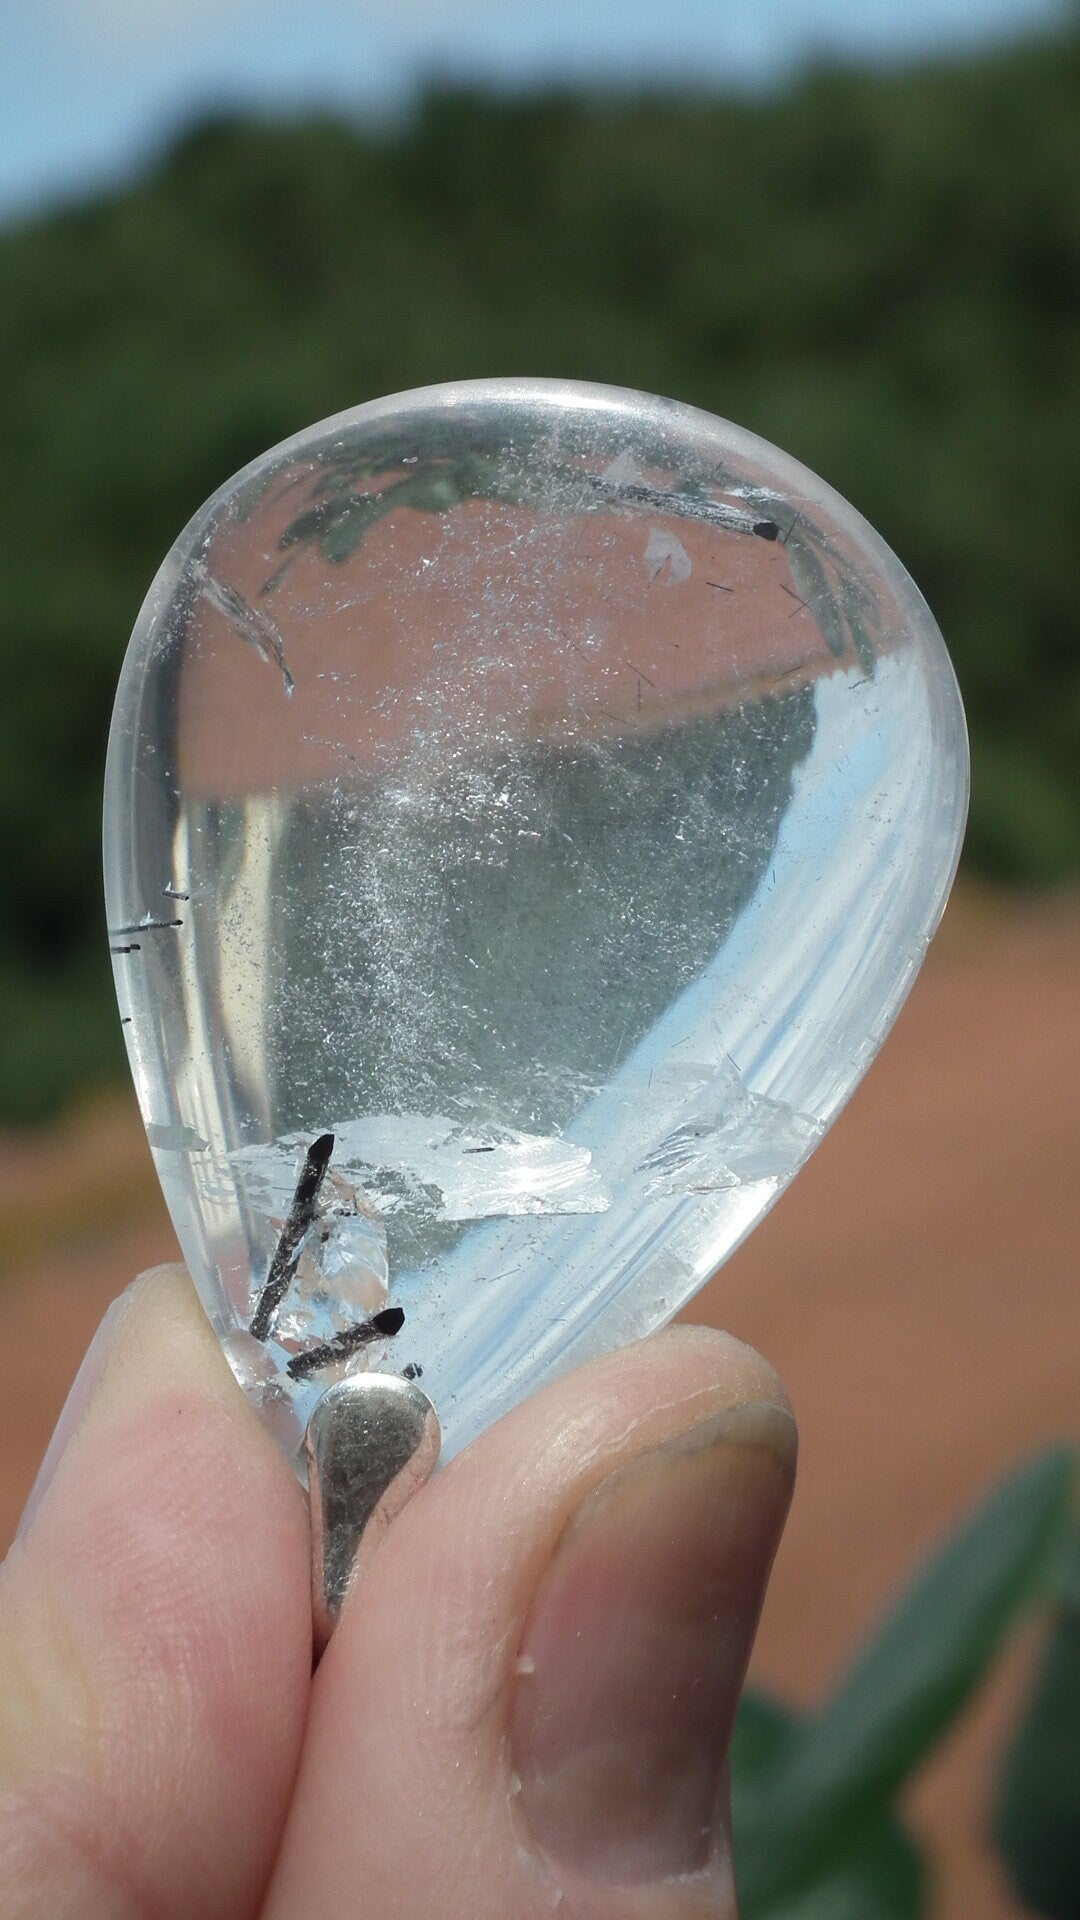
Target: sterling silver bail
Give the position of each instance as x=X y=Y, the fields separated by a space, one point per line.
x=371 y=1442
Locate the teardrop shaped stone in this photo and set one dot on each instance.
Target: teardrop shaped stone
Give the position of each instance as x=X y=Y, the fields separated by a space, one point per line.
x=528 y=805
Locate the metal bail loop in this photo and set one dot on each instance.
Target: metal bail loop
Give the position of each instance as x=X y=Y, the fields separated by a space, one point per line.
x=371 y=1443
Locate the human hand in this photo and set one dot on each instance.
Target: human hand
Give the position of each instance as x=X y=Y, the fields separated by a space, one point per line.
x=526 y=1705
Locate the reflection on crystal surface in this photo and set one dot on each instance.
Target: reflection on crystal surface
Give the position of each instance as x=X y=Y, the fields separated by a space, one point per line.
x=549 y=792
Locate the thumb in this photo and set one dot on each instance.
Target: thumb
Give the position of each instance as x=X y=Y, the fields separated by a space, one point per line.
x=527 y=1704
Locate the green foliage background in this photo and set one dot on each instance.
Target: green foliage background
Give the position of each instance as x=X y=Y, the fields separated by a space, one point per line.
x=882 y=274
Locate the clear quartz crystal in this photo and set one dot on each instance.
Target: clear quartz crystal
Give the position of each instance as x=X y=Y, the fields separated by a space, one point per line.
x=549 y=792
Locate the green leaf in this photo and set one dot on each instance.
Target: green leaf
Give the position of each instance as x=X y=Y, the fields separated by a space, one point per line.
x=883 y=1879
x=764 y=1731
x=1037 y=1825
x=910 y=1682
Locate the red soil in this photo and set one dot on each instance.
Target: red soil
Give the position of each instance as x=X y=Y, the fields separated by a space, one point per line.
x=917 y=1287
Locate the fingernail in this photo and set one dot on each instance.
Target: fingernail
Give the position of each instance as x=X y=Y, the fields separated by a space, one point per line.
x=636 y=1645
x=79 y=1396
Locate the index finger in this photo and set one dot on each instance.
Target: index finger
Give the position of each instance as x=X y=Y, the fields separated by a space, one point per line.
x=154 y=1636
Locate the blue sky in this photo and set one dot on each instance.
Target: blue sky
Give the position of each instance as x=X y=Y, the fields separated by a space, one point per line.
x=89 y=88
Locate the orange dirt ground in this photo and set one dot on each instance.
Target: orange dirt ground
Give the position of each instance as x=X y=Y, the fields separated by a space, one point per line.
x=917 y=1287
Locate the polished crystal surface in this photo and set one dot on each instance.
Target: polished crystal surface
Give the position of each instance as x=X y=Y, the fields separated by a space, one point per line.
x=548 y=792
